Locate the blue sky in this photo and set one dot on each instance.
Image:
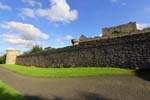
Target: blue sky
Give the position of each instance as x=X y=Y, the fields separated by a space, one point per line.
x=24 y=23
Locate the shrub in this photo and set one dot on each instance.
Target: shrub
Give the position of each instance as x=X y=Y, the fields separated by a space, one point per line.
x=2 y=59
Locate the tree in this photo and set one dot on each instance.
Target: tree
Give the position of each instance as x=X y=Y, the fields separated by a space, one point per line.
x=36 y=49
x=26 y=53
x=49 y=49
x=2 y=59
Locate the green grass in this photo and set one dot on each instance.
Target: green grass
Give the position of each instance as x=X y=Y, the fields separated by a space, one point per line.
x=65 y=72
x=7 y=93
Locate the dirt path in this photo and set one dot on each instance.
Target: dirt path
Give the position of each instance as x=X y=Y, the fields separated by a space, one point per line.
x=116 y=87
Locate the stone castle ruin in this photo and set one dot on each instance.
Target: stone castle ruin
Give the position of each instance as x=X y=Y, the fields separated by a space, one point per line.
x=122 y=46
x=112 y=32
x=119 y=30
x=11 y=56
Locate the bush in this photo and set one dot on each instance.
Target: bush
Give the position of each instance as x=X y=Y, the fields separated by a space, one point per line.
x=37 y=49
x=2 y=59
x=49 y=49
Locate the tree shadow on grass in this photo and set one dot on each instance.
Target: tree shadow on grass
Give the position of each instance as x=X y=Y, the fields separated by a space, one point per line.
x=143 y=74
x=81 y=96
x=9 y=96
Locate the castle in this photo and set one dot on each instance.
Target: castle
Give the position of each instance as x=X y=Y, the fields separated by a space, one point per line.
x=122 y=46
x=11 y=56
x=112 y=32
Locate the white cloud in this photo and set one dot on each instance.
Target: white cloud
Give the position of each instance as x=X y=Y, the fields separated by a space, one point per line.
x=68 y=37
x=62 y=40
x=32 y=3
x=59 y=11
x=25 y=34
x=28 y=30
x=100 y=35
x=18 y=40
x=4 y=7
x=141 y=26
x=27 y=12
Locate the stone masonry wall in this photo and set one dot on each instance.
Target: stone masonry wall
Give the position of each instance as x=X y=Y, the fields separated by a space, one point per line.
x=132 y=51
x=119 y=30
x=11 y=56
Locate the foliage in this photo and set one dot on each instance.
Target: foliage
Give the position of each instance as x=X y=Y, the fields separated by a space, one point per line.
x=36 y=49
x=2 y=59
x=26 y=53
x=7 y=93
x=64 y=72
x=49 y=49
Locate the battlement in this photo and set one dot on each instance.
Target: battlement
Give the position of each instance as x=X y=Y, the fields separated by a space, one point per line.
x=113 y=32
x=119 y=30
x=11 y=56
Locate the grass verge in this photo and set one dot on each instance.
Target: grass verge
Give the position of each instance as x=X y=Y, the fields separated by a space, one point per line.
x=65 y=72
x=7 y=93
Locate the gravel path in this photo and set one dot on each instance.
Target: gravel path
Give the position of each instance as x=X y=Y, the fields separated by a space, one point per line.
x=115 y=87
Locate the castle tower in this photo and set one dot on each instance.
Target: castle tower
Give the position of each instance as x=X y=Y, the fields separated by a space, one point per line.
x=119 y=30
x=11 y=56
x=75 y=42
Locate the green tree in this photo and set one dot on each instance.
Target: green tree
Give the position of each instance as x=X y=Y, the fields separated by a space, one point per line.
x=36 y=49
x=2 y=59
x=26 y=53
x=49 y=49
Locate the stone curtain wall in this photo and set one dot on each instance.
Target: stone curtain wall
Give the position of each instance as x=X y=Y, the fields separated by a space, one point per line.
x=119 y=30
x=131 y=51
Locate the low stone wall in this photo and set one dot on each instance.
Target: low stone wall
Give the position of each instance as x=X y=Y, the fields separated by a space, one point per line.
x=132 y=51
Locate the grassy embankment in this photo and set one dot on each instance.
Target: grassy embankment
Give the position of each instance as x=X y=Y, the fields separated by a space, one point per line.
x=7 y=93
x=65 y=72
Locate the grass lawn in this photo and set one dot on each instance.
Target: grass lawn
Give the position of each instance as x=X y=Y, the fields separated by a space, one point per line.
x=64 y=72
x=7 y=93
